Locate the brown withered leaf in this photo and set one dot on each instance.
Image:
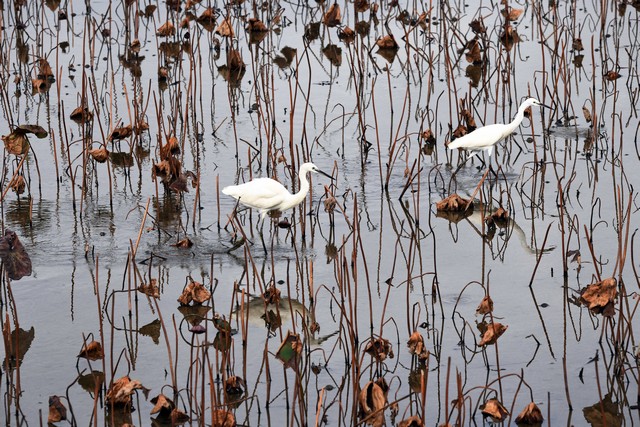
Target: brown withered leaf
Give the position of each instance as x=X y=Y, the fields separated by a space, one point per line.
x=491 y=333
x=170 y=148
x=234 y=60
x=361 y=5
x=587 y=114
x=178 y=417
x=16 y=143
x=150 y=289
x=574 y=256
x=428 y=136
x=119 y=394
x=577 y=44
x=416 y=346
x=511 y=13
x=120 y=133
x=207 y=19
x=530 y=415
x=234 y=387
x=474 y=72
x=44 y=70
x=195 y=293
x=162 y=405
x=15 y=258
x=347 y=35
x=100 y=154
x=222 y=418
x=469 y=120
x=387 y=42
x=121 y=160
x=91 y=382
x=612 y=75
x=312 y=31
x=37 y=130
x=92 y=351
x=272 y=295
x=332 y=18
x=81 y=115
x=254 y=25
x=509 y=37
x=473 y=54
x=17 y=184
x=500 y=217
x=333 y=54
x=166 y=30
x=290 y=350
x=363 y=28
x=57 y=411
x=379 y=348
x=414 y=421
x=454 y=203
x=461 y=130
x=494 y=409
x=185 y=243
x=600 y=297
x=477 y=26
x=225 y=29
x=485 y=306
x=372 y=400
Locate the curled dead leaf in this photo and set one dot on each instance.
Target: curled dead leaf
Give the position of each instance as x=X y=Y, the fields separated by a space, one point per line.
x=207 y=19
x=372 y=400
x=414 y=421
x=494 y=409
x=333 y=54
x=16 y=143
x=530 y=415
x=312 y=31
x=81 y=115
x=587 y=114
x=120 y=133
x=332 y=18
x=361 y=5
x=509 y=37
x=170 y=148
x=119 y=394
x=57 y=411
x=454 y=203
x=162 y=405
x=185 y=243
x=511 y=13
x=100 y=155
x=194 y=293
x=347 y=35
x=379 y=348
x=225 y=29
x=92 y=351
x=417 y=347
x=485 y=306
x=254 y=25
x=234 y=61
x=477 y=26
x=577 y=44
x=600 y=297
x=166 y=30
x=234 y=387
x=612 y=75
x=491 y=332
x=222 y=418
x=387 y=42
x=150 y=289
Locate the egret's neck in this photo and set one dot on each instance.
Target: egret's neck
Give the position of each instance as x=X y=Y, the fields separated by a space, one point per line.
x=516 y=120
x=298 y=197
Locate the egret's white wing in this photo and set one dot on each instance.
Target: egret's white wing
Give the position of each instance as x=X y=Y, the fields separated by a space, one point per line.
x=260 y=193
x=480 y=138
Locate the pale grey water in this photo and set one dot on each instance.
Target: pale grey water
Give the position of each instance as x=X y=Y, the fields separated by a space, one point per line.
x=59 y=302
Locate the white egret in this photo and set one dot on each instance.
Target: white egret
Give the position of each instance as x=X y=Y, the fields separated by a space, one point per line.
x=266 y=194
x=484 y=138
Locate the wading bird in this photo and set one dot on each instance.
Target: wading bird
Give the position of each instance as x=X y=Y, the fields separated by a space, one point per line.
x=266 y=194
x=484 y=138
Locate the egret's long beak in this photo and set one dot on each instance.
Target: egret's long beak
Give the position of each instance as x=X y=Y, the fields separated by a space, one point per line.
x=325 y=174
x=545 y=106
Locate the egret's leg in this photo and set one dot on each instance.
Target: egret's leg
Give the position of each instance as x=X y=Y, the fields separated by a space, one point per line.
x=473 y=153
x=264 y=245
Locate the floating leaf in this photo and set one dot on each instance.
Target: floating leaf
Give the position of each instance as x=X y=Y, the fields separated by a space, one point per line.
x=332 y=18
x=600 y=297
x=604 y=413
x=183 y=244
x=491 y=332
x=290 y=350
x=494 y=409
x=92 y=351
x=530 y=415
x=454 y=203
x=57 y=411
x=81 y=114
x=15 y=258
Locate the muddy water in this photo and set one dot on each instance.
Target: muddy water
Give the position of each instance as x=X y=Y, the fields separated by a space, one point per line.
x=380 y=263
